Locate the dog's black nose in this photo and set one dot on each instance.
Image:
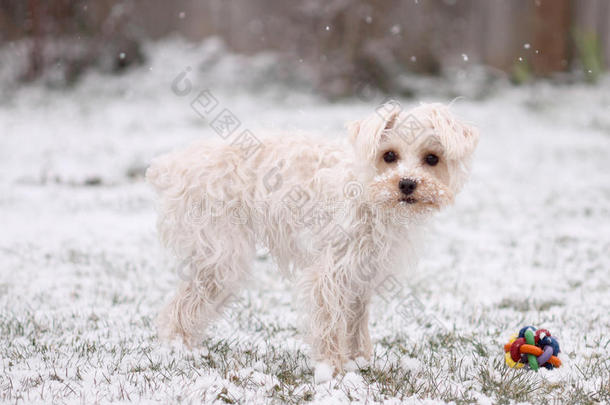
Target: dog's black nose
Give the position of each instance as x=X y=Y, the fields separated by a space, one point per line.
x=407 y=186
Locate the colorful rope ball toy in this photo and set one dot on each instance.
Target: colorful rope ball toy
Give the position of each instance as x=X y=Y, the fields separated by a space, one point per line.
x=532 y=348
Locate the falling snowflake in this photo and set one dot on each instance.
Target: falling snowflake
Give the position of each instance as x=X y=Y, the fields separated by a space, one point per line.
x=395 y=29
x=181 y=15
x=122 y=55
x=526 y=46
x=328 y=28
x=413 y=58
x=368 y=19
x=465 y=57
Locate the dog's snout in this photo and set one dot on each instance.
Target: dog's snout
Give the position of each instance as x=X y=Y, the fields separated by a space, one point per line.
x=407 y=186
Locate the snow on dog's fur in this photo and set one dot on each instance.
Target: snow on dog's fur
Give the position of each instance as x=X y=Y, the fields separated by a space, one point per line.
x=336 y=216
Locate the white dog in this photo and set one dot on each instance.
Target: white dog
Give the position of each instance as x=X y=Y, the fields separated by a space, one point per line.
x=338 y=216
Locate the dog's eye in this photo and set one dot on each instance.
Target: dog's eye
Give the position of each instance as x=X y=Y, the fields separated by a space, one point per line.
x=431 y=159
x=390 y=156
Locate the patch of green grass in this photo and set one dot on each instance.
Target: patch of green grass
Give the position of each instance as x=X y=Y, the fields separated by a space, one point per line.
x=505 y=384
x=590 y=53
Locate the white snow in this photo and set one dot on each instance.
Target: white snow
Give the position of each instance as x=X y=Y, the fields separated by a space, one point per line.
x=410 y=363
x=82 y=275
x=323 y=373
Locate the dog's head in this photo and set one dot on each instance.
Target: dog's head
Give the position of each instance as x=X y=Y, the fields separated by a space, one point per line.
x=413 y=160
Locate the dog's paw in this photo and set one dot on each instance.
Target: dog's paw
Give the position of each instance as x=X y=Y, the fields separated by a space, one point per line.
x=323 y=372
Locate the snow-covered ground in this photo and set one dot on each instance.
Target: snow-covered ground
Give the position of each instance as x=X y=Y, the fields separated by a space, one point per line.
x=82 y=275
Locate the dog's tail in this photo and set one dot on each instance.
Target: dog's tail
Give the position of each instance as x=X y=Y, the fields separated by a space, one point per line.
x=159 y=174
x=165 y=175
x=171 y=173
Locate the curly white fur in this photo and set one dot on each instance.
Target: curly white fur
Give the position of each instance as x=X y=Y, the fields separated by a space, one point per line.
x=330 y=212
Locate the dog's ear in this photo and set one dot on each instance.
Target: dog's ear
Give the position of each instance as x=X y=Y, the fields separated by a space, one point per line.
x=462 y=142
x=352 y=130
x=471 y=135
x=459 y=139
x=366 y=134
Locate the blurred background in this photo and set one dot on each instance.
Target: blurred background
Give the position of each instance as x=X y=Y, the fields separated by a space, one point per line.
x=334 y=45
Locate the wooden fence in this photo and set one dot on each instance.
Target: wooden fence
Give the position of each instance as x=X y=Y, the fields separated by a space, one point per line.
x=354 y=37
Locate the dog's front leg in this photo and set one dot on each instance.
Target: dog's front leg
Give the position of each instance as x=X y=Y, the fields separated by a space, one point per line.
x=360 y=340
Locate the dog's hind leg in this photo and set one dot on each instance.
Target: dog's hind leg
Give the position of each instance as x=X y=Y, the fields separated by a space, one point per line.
x=215 y=274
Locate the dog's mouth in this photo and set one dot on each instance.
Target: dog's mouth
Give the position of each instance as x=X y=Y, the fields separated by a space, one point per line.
x=408 y=200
